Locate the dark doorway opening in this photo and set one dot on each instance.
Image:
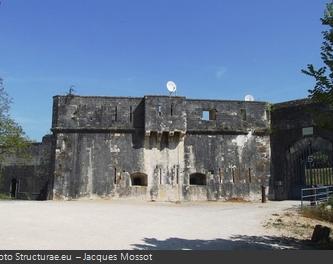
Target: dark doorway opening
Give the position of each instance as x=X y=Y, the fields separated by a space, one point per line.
x=139 y=179
x=13 y=188
x=198 y=179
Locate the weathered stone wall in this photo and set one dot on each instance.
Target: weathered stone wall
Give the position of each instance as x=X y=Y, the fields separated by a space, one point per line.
x=94 y=164
x=169 y=149
x=78 y=113
x=235 y=166
x=101 y=142
x=165 y=114
x=233 y=151
x=32 y=173
x=231 y=116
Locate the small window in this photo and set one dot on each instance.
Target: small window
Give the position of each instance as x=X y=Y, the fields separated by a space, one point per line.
x=205 y=115
x=233 y=174
x=159 y=110
x=220 y=175
x=177 y=175
x=116 y=113
x=171 y=110
x=208 y=115
x=243 y=114
x=115 y=176
x=197 y=179
x=131 y=114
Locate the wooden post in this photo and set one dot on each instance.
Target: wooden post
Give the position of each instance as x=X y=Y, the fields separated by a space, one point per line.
x=263 y=194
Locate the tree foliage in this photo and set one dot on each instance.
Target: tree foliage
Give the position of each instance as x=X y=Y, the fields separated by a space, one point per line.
x=323 y=89
x=12 y=137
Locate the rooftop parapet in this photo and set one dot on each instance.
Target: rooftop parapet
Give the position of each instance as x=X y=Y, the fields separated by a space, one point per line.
x=158 y=114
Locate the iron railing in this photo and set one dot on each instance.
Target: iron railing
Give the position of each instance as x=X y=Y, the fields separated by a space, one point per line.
x=316 y=195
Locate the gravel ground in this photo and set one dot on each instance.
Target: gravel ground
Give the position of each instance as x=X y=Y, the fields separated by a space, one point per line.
x=100 y=224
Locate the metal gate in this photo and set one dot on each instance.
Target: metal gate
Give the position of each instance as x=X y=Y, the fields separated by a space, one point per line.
x=309 y=163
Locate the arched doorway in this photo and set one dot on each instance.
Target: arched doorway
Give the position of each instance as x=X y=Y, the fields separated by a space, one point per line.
x=139 y=179
x=198 y=179
x=309 y=162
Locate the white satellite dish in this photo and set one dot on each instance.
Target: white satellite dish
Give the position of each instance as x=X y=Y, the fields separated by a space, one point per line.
x=249 y=98
x=171 y=87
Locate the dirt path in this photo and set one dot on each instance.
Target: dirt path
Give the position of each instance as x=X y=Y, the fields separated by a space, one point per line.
x=139 y=225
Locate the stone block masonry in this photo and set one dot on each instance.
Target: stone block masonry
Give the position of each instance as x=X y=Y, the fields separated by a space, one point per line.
x=159 y=148
x=162 y=148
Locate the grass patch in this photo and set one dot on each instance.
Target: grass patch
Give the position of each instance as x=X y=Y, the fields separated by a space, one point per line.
x=322 y=212
x=4 y=196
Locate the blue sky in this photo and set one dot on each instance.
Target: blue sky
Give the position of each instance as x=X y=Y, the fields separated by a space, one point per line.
x=218 y=49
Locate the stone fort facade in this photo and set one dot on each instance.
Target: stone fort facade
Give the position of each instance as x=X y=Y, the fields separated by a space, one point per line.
x=164 y=148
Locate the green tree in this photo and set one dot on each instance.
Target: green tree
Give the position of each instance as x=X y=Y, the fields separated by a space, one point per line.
x=12 y=137
x=323 y=89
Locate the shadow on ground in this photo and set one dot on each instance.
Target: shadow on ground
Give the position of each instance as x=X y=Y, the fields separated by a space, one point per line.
x=235 y=242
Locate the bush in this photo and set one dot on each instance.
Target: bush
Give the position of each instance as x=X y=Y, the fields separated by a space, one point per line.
x=322 y=212
x=4 y=196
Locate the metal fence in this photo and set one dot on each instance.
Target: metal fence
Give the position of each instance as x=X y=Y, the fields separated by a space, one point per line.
x=316 y=195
